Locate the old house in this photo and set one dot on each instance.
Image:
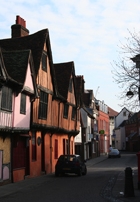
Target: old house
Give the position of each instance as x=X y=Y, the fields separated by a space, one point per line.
x=79 y=140
x=112 y=114
x=120 y=137
x=54 y=113
x=69 y=113
x=132 y=133
x=89 y=103
x=103 y=126
x=18 y=90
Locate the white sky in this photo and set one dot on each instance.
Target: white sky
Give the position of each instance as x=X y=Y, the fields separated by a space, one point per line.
x=87 y=32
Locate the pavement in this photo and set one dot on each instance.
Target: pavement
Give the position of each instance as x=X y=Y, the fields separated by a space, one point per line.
x=113 y=192
x=115 y=188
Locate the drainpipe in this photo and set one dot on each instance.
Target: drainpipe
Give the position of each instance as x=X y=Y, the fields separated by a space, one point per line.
x=58 y=114
x=69 y=137
x=51 y=152
x=11 y=146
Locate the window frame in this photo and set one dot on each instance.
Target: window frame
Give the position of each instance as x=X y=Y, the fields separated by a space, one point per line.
x=74 y=111
x=66 y=110
x=124 y=113
x=43 y=105
x=44 y=61
x=22 y=103
x=6 y=98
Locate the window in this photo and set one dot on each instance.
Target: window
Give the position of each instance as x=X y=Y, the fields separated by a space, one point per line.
x=23 y=104
x=70 y=86
x=124 y=113
x=43 y=105
x=6 y=100
x=44 y=61
x=33 y=146
x=66 y=109
x=56 y=149
x=73 y=112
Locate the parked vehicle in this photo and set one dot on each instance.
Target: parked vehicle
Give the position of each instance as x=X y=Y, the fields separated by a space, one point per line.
x=70 y=164
x=114 y=153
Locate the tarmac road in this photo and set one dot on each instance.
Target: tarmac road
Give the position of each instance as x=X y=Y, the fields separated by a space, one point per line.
x=104 y=182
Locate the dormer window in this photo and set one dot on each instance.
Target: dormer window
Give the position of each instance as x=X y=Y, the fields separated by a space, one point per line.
x=44 y=61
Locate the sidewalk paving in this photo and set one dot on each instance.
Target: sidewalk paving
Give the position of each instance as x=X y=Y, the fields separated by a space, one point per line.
x=117 y=191
x=119 y=187
x=117 y=194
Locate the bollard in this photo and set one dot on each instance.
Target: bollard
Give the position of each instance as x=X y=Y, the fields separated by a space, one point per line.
x=138 y=156
x=129 y=188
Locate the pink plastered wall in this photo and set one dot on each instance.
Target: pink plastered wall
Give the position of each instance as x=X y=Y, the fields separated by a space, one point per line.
x=28 y=81
x=23 y=120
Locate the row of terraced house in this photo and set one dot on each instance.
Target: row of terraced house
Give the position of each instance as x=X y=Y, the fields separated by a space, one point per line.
x=44 y=109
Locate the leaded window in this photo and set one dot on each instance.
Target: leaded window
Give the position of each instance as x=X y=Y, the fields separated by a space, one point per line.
x=43 y=105
x=23 y=104
x=6 y=99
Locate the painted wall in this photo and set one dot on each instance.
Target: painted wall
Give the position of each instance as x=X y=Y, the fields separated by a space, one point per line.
x=35 y=165
x=104 y=124
x=5 y=148
x=18 y=175
x=78 y=138
x=50 y=160
x=123 y=115
x=5 y=145
x=21 y=120
x=28 y=81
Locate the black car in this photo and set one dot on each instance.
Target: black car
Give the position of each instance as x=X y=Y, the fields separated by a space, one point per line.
x=70 y=164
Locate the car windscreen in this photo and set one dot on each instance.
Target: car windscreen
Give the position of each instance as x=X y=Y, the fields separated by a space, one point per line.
x=67 y=158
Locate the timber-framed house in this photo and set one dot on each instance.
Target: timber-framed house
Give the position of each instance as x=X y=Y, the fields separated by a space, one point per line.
x=17 y=91
x=54 y=111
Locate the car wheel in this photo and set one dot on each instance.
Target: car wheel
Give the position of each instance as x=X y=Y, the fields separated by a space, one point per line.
x=85 y=171
x=56 y=174
x=80 y=172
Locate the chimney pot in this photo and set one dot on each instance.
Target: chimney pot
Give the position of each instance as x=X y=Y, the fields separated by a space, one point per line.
x=18 y=19
x=19 y=29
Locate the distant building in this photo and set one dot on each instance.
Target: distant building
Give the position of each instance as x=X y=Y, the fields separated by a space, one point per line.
x=112 y=114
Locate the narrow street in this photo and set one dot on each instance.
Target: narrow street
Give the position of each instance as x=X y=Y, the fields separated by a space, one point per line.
x=94 y=187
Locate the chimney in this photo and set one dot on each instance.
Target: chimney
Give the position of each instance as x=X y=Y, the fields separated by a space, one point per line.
x=19 y=29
